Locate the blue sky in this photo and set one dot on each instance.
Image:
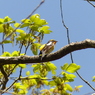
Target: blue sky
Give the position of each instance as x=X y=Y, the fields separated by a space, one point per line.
x=79 y=16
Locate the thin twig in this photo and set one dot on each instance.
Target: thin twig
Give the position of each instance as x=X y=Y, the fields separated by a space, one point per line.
x=10 y=35
x=13 y=82
x=21 y=45
x=69 y=43
x=90 y=3
x=2 y=44
x=10 y=86
x=66 y=28
x=85 y=81
x=12 y=70
x=26 y=48
x=23 y=21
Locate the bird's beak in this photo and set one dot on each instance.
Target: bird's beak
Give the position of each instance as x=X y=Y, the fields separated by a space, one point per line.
x=55 y=42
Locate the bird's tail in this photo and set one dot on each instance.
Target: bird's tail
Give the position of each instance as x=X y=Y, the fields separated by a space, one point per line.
x=42 y=55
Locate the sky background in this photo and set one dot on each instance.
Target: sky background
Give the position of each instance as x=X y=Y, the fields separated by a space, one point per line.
x=79 y=17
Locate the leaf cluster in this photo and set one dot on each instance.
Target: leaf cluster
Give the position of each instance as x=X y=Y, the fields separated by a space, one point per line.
x=30 y=34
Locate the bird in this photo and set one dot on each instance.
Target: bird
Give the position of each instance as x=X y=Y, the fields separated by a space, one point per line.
x=47 y=48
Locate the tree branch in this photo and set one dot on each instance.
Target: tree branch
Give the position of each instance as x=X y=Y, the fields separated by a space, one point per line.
x=53 y=56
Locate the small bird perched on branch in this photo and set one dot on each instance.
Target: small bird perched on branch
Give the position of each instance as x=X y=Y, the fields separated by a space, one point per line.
x=47 y=48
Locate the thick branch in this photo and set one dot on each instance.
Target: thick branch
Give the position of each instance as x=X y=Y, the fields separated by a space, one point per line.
x=53 y=56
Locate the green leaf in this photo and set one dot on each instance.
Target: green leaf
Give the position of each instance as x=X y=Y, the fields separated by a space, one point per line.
x=34 y=17
x=20 y=30
x=64 y=67
x=22 y=65
x=51 y=67
x=52 y=83
x=45 y=81
x=6 y=19
x=1 y=20
x=77 y=88
x=24 y=25
x=16 y=24
x=23 y=92
x=68 y=87
x=45 y=30
x=6 y=54
x=28 y=73
x=71 y=76
x=1 y=28
x=34 y=76
x=12 y=22
x=7 y=41
x=34 y=27
x=36 y=67
x=73 y=68
x=34 y=48
x=42 y=22
x=15 y=53
x=26 y=21
x=68 y=77
x=93 y=78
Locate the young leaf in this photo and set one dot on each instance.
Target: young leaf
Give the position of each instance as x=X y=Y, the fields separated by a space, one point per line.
x=64 y=67
x=34 y=17
x=51 y=67
x=6 y=19
x=1 y=28
x=28 y=73
x=25 y=20
x=1 y=20
x=15 y=53
x=45 y=30
x=68 y=87
x=7 y=41
x=20 y=30
x=6 y=54
x=22 y=65
x=16 y=24
x=34 y=48
x=73 y=68
x=36 y=68
x=52 y=83
x=93 y=78
x=77 y=88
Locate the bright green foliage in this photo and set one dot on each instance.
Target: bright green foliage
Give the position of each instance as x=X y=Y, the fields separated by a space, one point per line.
x=44 y=68
x=13 y=54
x=16 y=24
x=68 y=77
x=44 y=30
x=9 y=67
x=70 y=68
x=20 y=31
x=59 y=83
x=28 y=73
x=6 y=54
x=35 y=19
x=77 y=88
x=93 y=78
x=7 y=41
x=20 y=89
x=35 y=47
x=28 y=36
x=22 y=65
